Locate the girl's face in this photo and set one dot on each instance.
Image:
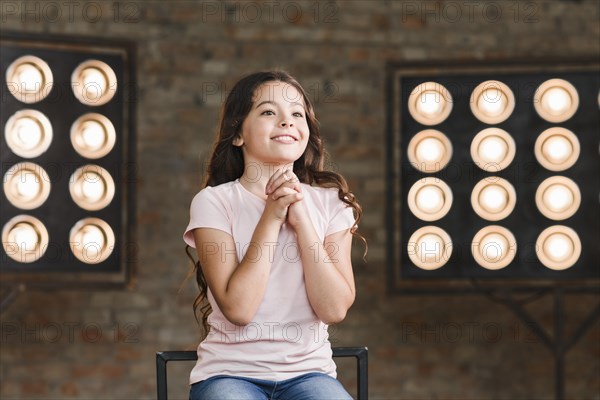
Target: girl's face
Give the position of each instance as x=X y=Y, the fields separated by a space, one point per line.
x=275 y=130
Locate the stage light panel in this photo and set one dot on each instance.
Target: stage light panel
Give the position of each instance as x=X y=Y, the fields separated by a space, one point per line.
x=492 y=102
x=67 y=200
x=556 y=100
x=93 y=135
x=430 y=199
x=493 y=149
x=557 y=149
x=24 y=238
x=429 y=151
x=28 y=133
x=29 y=79
x=26 y=185
x=503 y=179
x=430 y=103
x=94 y=83
x=429 y=248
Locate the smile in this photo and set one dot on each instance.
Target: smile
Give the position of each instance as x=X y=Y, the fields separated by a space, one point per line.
x=284 y=139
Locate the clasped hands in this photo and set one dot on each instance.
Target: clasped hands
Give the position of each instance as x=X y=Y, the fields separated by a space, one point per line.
x=284 y=197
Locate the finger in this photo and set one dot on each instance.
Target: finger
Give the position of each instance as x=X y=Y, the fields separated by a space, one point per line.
x=286 y=178
x=281 y=192
x=291 y=198
x=270 y=186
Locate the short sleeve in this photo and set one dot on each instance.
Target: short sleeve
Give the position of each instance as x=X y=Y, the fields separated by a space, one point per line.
x=207 y=211
x=341 y=216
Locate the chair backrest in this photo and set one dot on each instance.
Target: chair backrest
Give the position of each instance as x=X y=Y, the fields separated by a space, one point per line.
x=361 y=354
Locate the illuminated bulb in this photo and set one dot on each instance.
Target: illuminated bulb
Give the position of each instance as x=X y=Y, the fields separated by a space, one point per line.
x=94 y=81
x=493 y=247
x=28 y=133
x=92 y=240
x=558 y=247
x=429 y=248
x=93 y=134
x=93 y=189
x=430 y=103
x=430 y=150
x=430 y=199
x=558 y=198
x=556 y=100
x=30 y=78
x=92 y=235
x=493 y=198
x=493 y=149
x=24 y=238
x=492 y=102
x=25 y=235
x=557 y=149
x=28 y=185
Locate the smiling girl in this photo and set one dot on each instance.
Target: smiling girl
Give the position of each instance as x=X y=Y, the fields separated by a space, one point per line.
x=273 y=233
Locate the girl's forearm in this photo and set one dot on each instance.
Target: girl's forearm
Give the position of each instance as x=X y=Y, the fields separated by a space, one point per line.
x=329 y=293
x=247 y=285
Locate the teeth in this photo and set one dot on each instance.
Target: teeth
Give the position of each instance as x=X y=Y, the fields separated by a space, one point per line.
x=284 y=138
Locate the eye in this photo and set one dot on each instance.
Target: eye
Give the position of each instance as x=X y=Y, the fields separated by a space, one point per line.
x=298 y=114
x=267 y=112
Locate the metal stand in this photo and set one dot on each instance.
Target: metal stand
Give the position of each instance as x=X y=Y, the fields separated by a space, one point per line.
x=559 y=345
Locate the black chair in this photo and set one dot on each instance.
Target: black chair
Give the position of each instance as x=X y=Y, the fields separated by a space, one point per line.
x=361 y=354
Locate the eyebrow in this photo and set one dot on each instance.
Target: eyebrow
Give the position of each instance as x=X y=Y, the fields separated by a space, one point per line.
x=270 y=102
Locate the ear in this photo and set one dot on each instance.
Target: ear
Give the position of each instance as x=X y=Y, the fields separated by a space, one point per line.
x=238 y=141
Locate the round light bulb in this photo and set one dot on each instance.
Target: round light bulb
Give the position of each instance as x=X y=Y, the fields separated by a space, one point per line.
x=430 y=247
x=25 y=235
x=430 y=103
x=493 y=198
x=430 y=150
x=430 y=199
x=28 y=186
x=92 y=240
x=28 y=133
x=556 y=100
x=93 y=134
x=558 y=247
x=493 y=149
x=558 y=198
x=557 y=149
x=492 y=102
x=24 y=238
x=493 y=247
x=94 y=82
x=31 y=79
x=93 y=189
x=92 y=235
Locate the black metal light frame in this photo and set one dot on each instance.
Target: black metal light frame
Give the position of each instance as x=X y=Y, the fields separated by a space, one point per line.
x=525 y=272
x=58 y=267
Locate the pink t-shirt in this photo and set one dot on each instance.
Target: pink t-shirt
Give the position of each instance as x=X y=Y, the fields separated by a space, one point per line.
x=285 y=339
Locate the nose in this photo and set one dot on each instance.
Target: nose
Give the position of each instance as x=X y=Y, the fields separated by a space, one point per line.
x=286 y=122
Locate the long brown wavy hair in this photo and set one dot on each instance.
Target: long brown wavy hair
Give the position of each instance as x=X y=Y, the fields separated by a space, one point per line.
x=227 y=161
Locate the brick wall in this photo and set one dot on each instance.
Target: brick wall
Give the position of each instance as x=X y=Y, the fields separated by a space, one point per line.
x=101 y=344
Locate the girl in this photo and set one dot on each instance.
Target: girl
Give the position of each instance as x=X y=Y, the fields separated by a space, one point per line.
x=273 y=233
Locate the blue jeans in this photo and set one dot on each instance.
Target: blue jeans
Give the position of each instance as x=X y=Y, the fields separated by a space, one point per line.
x=312 y=386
